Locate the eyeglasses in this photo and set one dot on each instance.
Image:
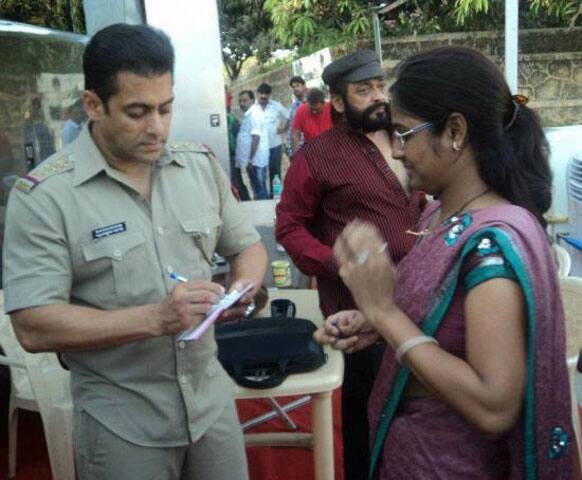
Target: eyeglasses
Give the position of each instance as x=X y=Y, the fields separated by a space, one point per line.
x=402 y=137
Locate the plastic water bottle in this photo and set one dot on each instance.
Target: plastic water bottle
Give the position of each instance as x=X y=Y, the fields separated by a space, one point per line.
x=277 y=187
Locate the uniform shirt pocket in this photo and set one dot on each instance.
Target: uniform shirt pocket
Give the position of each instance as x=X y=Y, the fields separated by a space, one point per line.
x=120 y=264
x=113 y=247
x=205 y=232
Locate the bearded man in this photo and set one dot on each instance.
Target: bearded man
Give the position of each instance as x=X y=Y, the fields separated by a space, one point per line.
x=346 y=173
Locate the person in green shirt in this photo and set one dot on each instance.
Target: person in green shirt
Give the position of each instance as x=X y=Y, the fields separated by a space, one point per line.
x=233 y=126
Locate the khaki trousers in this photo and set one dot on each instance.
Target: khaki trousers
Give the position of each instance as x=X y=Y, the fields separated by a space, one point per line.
x=219 y=454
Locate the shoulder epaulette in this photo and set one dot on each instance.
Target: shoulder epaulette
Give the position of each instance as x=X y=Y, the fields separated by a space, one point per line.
x=187 y=147
x=42 y=172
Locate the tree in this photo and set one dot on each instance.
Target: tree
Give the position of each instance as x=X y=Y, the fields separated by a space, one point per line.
x=559 y=11
x=58 y=14
x=313 y=24
x=244 y=32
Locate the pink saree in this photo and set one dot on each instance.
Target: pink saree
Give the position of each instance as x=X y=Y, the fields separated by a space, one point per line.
x=422 y=438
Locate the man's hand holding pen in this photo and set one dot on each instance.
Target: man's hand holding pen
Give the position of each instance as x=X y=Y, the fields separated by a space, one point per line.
x=186 y=305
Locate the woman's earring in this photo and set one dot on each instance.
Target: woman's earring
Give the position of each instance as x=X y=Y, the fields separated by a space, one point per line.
x=456 y=147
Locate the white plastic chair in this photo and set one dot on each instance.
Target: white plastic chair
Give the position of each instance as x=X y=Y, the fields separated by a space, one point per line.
x=40 y=384
x=21 y=396
x=563 y=260
x=571 y=289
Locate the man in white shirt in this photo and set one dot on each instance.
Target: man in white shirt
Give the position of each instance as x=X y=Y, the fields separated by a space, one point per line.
x=252 y=145
x=277 y=121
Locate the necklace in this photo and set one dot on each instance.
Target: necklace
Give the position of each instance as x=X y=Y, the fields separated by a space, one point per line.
x=427 y=231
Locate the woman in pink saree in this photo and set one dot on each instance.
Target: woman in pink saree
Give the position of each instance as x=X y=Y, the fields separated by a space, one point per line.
x=473 y=383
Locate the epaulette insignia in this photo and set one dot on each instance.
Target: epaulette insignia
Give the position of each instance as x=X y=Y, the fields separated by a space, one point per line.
x=187 y=147
x=42 y=172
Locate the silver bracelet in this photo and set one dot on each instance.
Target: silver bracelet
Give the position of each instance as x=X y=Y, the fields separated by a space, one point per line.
x=411 y=343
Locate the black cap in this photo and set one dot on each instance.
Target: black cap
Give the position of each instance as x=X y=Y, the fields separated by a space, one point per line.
x=357 y=66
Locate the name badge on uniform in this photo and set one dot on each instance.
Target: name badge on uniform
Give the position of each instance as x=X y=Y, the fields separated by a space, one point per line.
x=108 y=230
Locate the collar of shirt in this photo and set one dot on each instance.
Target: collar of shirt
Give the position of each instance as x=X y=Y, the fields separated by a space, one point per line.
x=271 y=105
x=89 y=160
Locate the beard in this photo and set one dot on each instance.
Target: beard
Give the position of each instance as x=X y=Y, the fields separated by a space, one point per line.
x=367 y=120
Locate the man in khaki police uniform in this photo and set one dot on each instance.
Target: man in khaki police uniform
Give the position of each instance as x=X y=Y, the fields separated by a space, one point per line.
x=91 y=237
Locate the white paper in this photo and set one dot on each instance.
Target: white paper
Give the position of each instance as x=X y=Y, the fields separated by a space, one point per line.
x=225 y=303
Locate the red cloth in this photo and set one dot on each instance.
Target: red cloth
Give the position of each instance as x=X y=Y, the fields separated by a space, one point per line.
x=265 y=463
x=228 y=97
x=333 y=179
x=278 y=463
x=311 y=125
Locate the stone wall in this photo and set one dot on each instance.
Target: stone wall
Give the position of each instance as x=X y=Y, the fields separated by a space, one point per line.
x=550 y=67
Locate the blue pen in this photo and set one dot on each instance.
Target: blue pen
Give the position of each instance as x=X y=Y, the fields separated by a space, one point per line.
x=178 y=278
x=201 y=328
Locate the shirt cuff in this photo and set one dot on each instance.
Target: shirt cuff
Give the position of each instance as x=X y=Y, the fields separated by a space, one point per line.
x=36 y=292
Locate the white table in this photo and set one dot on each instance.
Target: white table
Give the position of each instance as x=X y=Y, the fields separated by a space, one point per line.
x=260 y=212
x=319 y=384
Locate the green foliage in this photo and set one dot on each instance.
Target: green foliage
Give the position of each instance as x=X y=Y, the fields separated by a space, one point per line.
x=467 y=8
x=57 y=14
x=419 y=17
x=244 y=32
x=431 y=16
x=272 y=65
x=569 y=10
x=311 y=24
x=27 y=55
x=532 y=13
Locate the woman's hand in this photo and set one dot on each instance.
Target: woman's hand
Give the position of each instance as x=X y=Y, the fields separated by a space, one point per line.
x=366 y=268
x=347 y=331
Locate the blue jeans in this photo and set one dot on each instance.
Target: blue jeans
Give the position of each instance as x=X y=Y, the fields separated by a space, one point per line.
x=275 y=155
x=258 y=177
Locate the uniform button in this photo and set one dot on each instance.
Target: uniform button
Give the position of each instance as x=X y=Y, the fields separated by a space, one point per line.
x=117 y=253
x=183 y=380
x=181 y=345
x=160 y=230
x=169 y=269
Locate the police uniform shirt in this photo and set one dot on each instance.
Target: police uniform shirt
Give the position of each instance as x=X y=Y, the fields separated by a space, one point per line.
x=77 y=232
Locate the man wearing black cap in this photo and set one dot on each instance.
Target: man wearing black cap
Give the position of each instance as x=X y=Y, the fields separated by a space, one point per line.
x=346 y=173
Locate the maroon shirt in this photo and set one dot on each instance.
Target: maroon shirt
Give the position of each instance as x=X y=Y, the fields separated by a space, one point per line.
x=332 y=180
